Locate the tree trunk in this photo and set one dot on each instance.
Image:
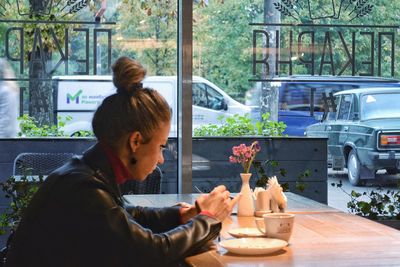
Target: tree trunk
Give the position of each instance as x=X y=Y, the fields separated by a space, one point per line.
x=40 y=85
x=270 y=95
x=40 y=88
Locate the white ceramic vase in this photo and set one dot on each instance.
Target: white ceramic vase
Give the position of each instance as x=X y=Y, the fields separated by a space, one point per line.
x=245 y=204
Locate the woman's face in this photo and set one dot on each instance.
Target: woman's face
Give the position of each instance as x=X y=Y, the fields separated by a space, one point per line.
x=150 y=154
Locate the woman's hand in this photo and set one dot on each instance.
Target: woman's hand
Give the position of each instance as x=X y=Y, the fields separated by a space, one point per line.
x=188 y=211
x=217 y=202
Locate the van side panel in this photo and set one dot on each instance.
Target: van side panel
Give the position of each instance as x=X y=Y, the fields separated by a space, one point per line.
x=168 y=90
x=79 y=96
x=82 y=95
x=79 y=99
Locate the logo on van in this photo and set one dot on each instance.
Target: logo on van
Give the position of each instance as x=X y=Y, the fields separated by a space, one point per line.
x=75 y=97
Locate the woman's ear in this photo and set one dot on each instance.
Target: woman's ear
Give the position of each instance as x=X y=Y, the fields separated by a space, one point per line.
x=135 y=139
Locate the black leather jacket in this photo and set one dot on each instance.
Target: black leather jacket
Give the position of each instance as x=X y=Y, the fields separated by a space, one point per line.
x=78 y=218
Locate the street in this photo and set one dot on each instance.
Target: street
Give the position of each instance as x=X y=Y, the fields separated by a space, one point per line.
x=338 y=199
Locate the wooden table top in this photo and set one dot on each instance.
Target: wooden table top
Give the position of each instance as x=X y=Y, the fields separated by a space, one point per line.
x=322 y=236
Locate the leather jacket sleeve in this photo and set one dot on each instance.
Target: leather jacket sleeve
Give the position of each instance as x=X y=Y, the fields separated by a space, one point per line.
x=157 y=219
x=161 y=248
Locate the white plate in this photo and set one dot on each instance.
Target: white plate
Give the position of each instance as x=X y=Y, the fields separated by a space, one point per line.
x=245 y=232
x=253 y=245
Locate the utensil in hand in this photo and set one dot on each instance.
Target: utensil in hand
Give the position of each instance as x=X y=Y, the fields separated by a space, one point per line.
x=198 y=190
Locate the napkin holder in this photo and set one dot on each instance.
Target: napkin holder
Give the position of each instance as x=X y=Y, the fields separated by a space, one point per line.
x=262 y=201
x=278 y=200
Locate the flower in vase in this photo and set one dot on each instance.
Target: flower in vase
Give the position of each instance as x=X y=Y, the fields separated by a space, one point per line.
x=244 y=155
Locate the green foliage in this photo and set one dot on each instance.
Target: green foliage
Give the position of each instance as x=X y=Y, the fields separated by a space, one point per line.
x=270 y=128
x=20 y=192
x=66 y=11
x=238 y=125
x=83 y=134
x=261 y=166
x=156 y=21
x=222 y=42
x=29 y=127
x=273 y=169
x=300 y=185
x=376 y=205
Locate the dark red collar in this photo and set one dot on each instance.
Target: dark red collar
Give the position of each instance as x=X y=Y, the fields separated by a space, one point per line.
x=121 y=173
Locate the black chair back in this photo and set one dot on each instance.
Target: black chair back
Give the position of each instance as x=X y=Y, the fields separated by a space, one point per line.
x=39 y=163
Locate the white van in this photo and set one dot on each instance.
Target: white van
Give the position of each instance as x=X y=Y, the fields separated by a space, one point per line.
x=79 y=96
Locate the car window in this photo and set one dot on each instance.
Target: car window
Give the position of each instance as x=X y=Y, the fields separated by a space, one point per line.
x=344 y=107
x=206 y=96
x=199 y=95
x=332 y=112
x=376 y=106
x=214 y=98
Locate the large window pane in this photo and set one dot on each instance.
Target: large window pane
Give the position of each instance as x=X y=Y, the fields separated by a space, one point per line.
x=60 y=53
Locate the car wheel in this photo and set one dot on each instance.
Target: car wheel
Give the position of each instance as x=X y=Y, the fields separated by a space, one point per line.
x=392 y=171
x=353 y=167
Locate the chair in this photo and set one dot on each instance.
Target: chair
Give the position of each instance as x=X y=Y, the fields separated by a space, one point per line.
x=39 y=163
x=151 y=185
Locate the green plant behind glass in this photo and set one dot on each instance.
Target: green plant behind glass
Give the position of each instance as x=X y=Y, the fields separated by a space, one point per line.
x=29 y=127
x=261 y=166
x=273 y=166
x=238 y=125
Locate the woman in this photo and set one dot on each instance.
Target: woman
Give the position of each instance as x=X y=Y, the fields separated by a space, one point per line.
x=78 y=218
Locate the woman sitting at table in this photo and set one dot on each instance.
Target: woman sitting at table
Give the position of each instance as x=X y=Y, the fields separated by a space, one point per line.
x=78 y=217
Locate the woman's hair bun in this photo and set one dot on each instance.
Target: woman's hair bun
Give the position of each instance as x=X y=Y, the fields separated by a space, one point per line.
x=128 y=75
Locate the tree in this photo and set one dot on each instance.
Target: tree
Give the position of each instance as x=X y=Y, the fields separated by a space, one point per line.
x=151 y=32
x=155 y=26
x=222 y=41
x=40 y=40
x=270 y=95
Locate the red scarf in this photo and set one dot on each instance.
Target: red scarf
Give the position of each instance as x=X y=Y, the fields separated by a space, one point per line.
x=121 y=173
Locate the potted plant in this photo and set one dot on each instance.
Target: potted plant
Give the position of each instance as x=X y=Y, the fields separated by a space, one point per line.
x=245 y=155
x=379 y=205
x=20 y=191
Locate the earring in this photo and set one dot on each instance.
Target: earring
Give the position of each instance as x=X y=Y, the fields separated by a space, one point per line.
x=133 y=160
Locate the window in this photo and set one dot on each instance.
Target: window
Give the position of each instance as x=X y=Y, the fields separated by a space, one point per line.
x=344 y=107
x=377 y=106
x=205 y=96
x=199 y=95
x=332 y=114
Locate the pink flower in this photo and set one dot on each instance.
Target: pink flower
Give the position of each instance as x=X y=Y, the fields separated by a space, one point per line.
x=245 y=154
x=236 y=151
x=232 y=159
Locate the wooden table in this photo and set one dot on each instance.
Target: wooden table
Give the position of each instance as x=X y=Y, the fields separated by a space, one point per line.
x=296 y=203
x=322 y=236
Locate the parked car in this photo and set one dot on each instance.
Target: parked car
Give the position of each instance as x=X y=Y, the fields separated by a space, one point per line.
x=363 y=132
x=301 y=96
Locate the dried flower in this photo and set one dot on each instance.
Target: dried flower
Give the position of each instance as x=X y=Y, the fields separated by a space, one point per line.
x=245 y=155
